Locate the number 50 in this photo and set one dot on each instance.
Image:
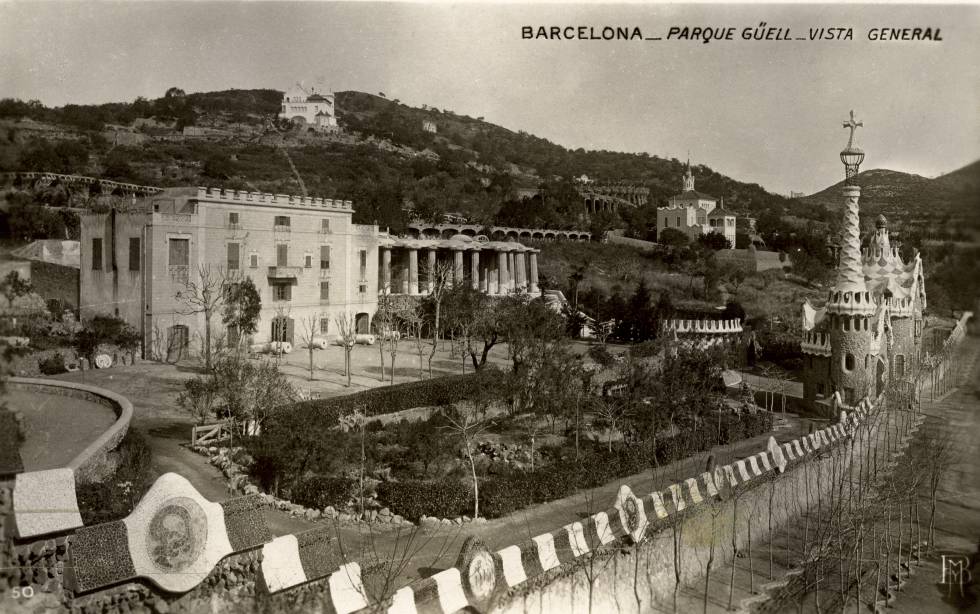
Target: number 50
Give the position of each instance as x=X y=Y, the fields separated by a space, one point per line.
x=22 y=591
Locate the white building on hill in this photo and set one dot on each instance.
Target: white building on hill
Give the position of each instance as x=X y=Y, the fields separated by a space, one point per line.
x=309 y=108
x=695 y=213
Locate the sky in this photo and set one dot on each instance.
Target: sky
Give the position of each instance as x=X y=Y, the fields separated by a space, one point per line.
x=768 y=112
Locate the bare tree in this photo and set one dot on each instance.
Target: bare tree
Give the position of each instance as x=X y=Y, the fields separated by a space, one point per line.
x=204 y=295
x=468 y=425
x=440 y=282
x=310 y=324
x=347 y=333
x=382 y=321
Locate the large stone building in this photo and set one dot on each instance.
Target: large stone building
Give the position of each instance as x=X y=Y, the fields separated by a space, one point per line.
x=870 y=328
x=309 y=262
x=306 y=258
x=309 y=108
x=696 y=213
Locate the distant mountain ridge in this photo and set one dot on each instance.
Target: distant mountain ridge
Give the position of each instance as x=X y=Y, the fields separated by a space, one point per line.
x=912 y=198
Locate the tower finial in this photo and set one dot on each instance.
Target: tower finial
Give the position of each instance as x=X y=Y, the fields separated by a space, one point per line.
x=852 y=156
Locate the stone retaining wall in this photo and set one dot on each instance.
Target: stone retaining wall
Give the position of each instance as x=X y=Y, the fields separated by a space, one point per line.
x=93 y=463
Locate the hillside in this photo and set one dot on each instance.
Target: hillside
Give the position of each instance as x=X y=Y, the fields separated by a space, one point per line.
x=382 y=159
x=926 y=206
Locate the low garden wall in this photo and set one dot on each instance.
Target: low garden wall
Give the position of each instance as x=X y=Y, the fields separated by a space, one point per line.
x=94 y=462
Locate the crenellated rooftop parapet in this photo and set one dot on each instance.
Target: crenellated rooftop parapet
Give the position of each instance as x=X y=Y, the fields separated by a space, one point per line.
x=816 y=343
x=222 y=195
x=704 y=327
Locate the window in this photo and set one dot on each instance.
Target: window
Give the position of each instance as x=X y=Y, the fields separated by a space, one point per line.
x=282 y=254
x=282 y=222
x=849 y=396
x=363 y=254
x=253 y=261
x=324 y=325
x=678 y=221
x=900 y=365
x=324 y=257
x=918 y=328
x=324 y=225
x=362 y=288
x=180 y=252
x=96 y=254
x=324 y=291
x=849 y=362
x=820 y=392
x=233 y=219
x=134 y=253
x=282 y=292
x=308 y=261
x=233 y=261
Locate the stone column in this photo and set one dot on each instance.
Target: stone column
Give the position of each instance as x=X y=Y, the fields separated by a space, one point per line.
x=501 y=272
x=511 y=272
x=386 y=269
x=520 y=271
x=534 y=274
x=457 y=266
x=413 y=271
x=432 y=269
x=475 y=268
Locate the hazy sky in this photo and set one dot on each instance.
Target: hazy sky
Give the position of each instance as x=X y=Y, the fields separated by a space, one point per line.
x=768 y=112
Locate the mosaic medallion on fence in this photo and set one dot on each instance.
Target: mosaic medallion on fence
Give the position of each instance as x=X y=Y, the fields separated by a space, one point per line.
x=631 y=513
x=174 y=538
x=478 y=569
x=177 y=534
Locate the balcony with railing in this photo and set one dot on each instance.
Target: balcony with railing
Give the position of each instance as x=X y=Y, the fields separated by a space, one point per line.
x=284 y=272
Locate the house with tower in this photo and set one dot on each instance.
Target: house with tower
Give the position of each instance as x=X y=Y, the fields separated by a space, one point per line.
x=309 y=108
x=696 y=213
x=869 y=330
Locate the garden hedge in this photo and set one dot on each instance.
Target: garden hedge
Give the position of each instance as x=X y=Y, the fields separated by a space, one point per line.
x=416 y=498
x=10 y=441
x=389 y=399
x=319 y=492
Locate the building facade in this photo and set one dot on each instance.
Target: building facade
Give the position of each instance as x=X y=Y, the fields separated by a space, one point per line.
x=309 y=108
x=307 y=260
x=695 y=213
x=870 y=328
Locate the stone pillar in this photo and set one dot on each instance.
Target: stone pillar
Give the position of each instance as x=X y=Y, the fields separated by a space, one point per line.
x=475 y=269
x=501 y=272
x=458 y=266
x=520 y=271
x=511 y=272
x=413 y=271
x=534 y=274
x=386 y=269
x=432 y=269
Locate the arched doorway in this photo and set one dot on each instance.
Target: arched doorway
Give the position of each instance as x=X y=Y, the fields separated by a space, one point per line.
x=362 y=322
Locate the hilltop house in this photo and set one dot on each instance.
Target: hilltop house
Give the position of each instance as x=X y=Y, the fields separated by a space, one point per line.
x=695 y=213
x=311 y=108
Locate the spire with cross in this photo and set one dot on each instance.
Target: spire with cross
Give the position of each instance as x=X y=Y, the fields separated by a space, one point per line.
x=852 y=156
x=853 y=125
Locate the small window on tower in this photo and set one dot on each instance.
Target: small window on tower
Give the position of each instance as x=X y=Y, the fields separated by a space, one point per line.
x=849 y=362
x=253 y=261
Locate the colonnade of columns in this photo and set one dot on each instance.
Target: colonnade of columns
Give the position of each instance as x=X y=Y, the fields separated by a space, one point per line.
x=488 y=270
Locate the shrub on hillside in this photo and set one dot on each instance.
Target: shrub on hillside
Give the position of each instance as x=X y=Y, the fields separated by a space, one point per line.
x=319 y=492
x=52 y=365
x=115 y=497
x=416 y=498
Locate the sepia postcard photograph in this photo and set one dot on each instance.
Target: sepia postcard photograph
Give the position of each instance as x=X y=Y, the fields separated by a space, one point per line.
x=435 y=307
